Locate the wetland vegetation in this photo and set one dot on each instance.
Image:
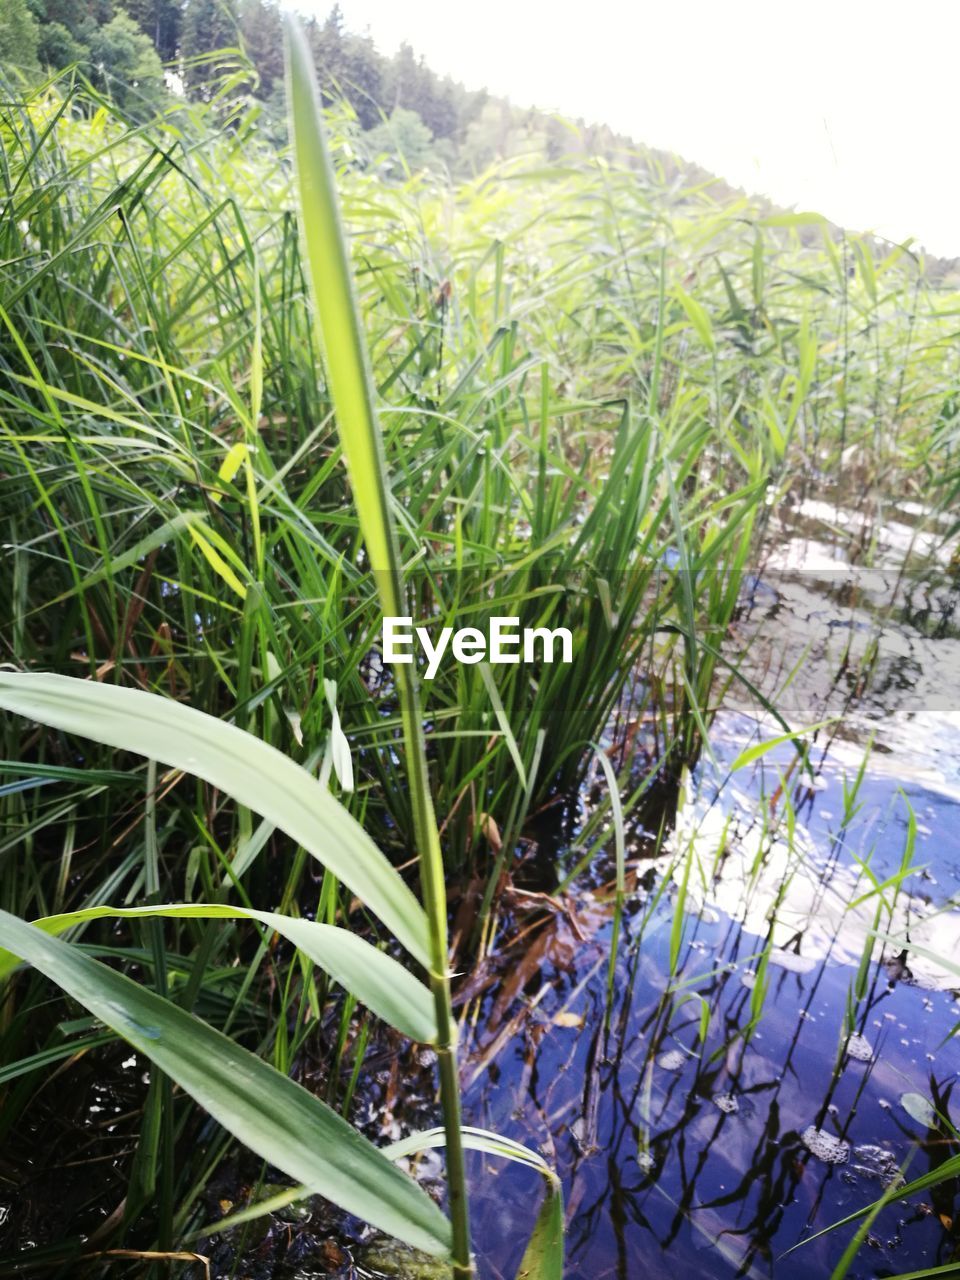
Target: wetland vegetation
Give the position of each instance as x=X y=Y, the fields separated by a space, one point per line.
x=650 y=956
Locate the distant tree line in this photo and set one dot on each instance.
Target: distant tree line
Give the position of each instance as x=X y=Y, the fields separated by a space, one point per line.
x=139 y=51
x=123 y=46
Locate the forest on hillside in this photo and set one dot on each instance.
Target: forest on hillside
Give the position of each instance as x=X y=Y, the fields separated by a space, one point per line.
x=144 y=53
x=397 y=113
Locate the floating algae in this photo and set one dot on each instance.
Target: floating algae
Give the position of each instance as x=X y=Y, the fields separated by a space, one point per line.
x=825 y=1146
x=388 y=1258
x=859 y=1048
x=876 y=1162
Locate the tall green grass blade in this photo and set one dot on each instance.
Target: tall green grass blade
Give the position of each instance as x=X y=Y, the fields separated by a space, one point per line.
x=498 y=709
x=353 y=399
x=340 y=329
x=950 y=1168
x=752 y=753
x=930 y=1273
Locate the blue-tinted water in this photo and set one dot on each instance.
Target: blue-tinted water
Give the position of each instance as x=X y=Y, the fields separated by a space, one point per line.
x=683 y=1157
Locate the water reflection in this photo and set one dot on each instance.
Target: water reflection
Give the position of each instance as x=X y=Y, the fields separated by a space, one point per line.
x=770 y=1068
x=663 y=1174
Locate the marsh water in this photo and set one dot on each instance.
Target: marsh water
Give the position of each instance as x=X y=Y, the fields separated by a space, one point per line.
x=732 y=1090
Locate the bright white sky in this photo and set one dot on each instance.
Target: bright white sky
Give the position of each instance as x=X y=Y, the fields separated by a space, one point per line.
x=847 y=107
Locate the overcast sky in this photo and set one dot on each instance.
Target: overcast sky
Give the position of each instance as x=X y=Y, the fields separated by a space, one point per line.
x=845 y=107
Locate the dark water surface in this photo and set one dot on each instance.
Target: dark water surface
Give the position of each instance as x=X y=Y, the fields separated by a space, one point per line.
x=714 y=1158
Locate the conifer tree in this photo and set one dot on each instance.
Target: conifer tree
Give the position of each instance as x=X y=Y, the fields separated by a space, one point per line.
x=262 y=31
x=160 y=20
x=19 y=36
x=208 y=25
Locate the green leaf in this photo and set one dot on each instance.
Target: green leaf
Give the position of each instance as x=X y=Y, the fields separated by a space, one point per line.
x=251 y=771
x=920 y=1109
x=499 y=711
x=343 y=347
x=616 y=813
x=867 y=269
x=376 y=979
x=699 y=318
x=268 y=1112
x=842 y=1268
x=930 y=1273
x=904 y=944
x=259 y=1208
x=339 y=746
x=752 y=753
x=543 y=1258
x=804 y=219
x=474 y=1139
x=352 y=393
x=941 y=1174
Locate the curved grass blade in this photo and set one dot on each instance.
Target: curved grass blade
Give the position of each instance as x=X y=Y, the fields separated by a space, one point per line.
x=930 y=1273
x=275 y=1117
x=251 y=771
x=842 y=1269
x=620 y=853
x=749 y=754
x=543 y=1256
x=949 y=1169
x=376 y=979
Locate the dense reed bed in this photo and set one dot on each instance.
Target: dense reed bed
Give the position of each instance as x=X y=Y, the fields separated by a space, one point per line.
x=594 y=383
